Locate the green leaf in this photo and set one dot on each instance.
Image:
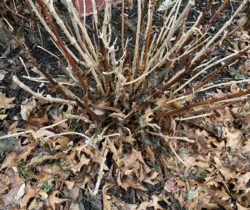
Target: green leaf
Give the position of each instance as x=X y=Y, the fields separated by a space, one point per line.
x=192 y=194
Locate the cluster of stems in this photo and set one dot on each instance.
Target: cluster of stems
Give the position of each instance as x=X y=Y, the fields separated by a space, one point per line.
x=178 y=49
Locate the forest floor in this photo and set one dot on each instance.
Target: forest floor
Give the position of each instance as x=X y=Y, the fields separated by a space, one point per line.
x=38 y=174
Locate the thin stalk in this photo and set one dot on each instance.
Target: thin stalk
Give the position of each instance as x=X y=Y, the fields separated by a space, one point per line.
x=149 y=30
x=123 y=24
x=219 y=69
x=61 y=45
x=136 y=51
x=206 y=102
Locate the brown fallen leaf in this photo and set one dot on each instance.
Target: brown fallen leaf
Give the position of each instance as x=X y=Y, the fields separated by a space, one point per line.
x=9 y=161
x=106 y=199
x=30 y=191
x=171 y=186
x=41 y=133
x=3 y=116
x=233 y=138
x=125 y=184
x=240 y=207
x=27 y=108
x=16 y=189
x=6 y=103
x=26 y=151
x=60 y=143
x=53 y=199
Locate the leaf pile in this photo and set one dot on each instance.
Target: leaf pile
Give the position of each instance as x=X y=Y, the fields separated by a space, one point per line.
x=165 y=129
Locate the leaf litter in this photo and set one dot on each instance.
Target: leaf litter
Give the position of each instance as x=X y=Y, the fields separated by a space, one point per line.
x=206 y=165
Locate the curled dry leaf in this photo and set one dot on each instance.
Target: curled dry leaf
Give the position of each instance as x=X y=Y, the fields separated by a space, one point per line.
x=132 y=183
x=27 y=108
x=106 y=198
x=54 y=200
x=233 y=138
x=5 y=102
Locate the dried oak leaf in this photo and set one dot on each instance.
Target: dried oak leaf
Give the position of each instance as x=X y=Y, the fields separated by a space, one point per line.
x=134 y=164
x=6 y=103
x=233 y=138
x=53 y=199
x=106 y=199
x=26 y=151
x=30 y=192
x=226 y=173
x=10 y=160
x=60 y=143
x=132 y=183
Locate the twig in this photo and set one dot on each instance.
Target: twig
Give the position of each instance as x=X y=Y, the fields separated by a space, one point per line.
x=167 y=138
x=69 y=133
x=123 y=24
x=24 y=66
x=30 y=131
x=100 y=174
x=15 y=134
x=49 y=52
x=218 y=11
x=206 y=102
x=96 y=21
x=193 y=117
x=149 y=30
x=178 y=157
x=224 y=84
x=135 y=60
x=39 y=96
x=232 y=59
x=54 y=125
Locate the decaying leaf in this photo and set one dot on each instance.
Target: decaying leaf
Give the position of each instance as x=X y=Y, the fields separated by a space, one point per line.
x=139 y=113
x=27 y=108
x=54 y=200
x=171 y=186
x=3 y=116
x=5 y=102
x=10 y=161
x=30 y=192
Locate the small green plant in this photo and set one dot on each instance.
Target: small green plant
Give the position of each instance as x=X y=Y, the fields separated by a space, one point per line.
x=200 y=173
x=22 y=171
x=47 y=187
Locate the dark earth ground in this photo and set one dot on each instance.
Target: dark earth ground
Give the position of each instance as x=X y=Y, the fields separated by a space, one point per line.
x=28 y=28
